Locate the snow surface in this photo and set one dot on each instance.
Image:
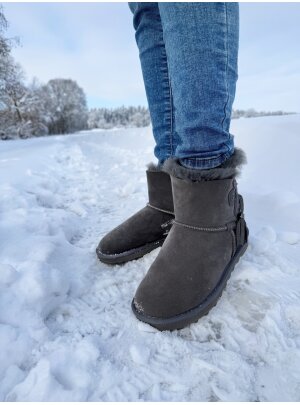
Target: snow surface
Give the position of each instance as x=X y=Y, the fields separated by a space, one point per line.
x=66 y=328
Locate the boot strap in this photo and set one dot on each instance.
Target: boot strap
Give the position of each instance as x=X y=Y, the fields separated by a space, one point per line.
x=241 y=206
x=204 y=228
x=159 y=209
x=241 y=231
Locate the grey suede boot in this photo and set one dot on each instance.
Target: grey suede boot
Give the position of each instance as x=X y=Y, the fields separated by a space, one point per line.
x=147 y=229
x=208 y=237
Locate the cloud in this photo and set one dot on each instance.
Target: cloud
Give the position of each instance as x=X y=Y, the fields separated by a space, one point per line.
x=94 y=44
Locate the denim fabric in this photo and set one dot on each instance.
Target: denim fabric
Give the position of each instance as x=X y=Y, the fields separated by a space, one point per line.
x=188 y=53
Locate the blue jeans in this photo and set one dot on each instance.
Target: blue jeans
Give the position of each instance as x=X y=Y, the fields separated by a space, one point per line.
x=188 y=53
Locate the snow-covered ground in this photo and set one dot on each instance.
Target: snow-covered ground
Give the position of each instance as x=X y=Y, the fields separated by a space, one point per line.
x=66 y=327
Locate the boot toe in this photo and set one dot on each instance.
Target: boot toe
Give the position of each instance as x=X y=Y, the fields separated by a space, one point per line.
x=138 y=230
x=115 y=241
x=158 y=302
x=107 y=245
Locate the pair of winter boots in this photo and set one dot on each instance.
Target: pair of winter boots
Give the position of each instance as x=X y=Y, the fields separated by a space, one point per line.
x=197 y=217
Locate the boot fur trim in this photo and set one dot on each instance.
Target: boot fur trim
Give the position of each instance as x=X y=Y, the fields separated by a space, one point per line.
x=152 y=167
x=229 y=169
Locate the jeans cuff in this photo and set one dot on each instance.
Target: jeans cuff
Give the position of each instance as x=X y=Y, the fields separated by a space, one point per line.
x=205 y=163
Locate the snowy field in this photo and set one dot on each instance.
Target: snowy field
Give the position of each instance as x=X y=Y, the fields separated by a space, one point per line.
x=66 y=328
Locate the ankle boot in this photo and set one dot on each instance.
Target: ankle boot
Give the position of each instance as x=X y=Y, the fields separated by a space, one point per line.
x=147 y=229
x=208 y=237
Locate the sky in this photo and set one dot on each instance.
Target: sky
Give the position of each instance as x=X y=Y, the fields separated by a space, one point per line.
x=94 y=44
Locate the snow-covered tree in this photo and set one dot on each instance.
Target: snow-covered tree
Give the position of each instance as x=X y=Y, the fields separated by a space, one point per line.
x=4 y=42
x=20 y=112
x=12 y=96
x=33 y=110
x=65 y=106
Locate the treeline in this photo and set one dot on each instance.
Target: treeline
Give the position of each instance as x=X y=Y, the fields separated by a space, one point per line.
x=251 y=112
x=139 y=116
x=118 y=117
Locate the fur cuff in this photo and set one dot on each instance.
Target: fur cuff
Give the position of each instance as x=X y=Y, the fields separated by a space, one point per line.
x=152 y=167
x=229 y=169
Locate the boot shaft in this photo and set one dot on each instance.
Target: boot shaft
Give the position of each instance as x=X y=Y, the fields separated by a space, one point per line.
x=160 y=190
x=212 y=203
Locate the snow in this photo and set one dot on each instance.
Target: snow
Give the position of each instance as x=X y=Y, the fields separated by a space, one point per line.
x=66 y=328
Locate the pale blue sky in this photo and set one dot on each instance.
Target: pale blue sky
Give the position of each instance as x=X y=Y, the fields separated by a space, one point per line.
x=94 y=44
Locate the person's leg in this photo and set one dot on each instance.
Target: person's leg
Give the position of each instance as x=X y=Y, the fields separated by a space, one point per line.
x=150 y=41
x=209 y=233
x=147 y=229
x=201 y=42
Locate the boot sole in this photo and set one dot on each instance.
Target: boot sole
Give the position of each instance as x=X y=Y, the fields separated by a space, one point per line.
x=132 y=254
x=182 y=320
